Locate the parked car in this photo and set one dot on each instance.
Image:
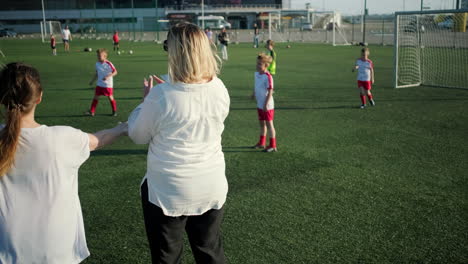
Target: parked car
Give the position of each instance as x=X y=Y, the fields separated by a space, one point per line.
x=306 y=27
x=446 y=24
x=7 y=33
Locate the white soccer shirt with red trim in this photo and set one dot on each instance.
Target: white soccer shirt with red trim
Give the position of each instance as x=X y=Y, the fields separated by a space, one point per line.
x=263 y=83
x=364 y=69
x=103 y=69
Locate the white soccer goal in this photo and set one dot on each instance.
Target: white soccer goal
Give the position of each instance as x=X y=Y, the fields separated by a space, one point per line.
x=315 y=27
x=331 y=24
x=51 y=27
x=431 y=49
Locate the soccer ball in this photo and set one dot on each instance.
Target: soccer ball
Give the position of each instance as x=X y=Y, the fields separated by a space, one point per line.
x=118 y=52
x=90 y=49
x=131 y=52
x=288 y=46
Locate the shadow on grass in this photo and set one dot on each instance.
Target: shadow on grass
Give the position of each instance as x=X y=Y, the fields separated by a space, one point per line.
x=295 y=108
x=240 y=149
x=119 y=152
x=116 y=98
x=91 y=89
x=55 y=116
x=72 y=116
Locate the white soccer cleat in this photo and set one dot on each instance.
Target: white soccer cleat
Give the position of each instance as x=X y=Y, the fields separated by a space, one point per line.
x=363 y=106
x=269 y=149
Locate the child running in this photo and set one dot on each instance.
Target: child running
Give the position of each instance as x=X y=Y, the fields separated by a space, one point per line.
x=105 y=71
x=365 y=77
x=52 y=45
x=270 y=44
x=265 y=106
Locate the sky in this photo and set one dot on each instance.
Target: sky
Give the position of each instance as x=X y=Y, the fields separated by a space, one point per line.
x=353 y=7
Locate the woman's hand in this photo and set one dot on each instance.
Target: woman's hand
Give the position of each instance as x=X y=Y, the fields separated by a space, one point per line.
x=148 y=85
x=108 y=136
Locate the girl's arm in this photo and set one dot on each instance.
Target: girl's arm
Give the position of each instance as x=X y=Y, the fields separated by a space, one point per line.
x=372 y=75
x=107 y=136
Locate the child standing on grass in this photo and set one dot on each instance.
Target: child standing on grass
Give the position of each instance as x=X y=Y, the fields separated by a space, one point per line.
x=105 y=71
x=270 y=44
x=52 y=45
x=263 y=93
x=365 y=77
x=115 y=40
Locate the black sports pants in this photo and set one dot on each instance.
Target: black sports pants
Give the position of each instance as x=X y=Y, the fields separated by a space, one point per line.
x=165 y=234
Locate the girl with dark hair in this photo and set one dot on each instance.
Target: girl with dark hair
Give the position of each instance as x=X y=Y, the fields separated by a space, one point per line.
x=40 y=212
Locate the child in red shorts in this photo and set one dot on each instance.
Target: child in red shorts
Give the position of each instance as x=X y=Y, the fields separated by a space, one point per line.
x=52 y=45
x=263 y=93
x=365 y=69
x=105 y=71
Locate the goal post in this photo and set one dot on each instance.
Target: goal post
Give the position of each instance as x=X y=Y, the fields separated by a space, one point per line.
x=51 y=27
x=431 y=49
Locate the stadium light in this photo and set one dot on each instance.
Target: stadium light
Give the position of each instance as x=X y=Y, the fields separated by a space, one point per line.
x=203 y=13
x=43 y=18
x=364 y=23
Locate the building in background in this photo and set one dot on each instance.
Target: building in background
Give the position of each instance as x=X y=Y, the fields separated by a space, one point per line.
x=128 y=15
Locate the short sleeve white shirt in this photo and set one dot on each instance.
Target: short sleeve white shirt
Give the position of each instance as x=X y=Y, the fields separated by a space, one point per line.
x=263 y=83
x=183 y=124
x=364 y=69
x=66 y=34
x=40 y=212
x=103 y=69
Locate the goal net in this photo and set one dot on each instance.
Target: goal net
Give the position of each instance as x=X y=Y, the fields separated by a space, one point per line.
x=51 y=27
x=314 y=27
x=431 y=49
x=331 y=25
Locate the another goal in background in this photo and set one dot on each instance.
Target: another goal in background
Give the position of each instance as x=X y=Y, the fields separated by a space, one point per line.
x=51 y=27
x=431 y=49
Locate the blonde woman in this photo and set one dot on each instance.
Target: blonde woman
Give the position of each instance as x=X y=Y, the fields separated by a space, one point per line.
x=182 y=120
x=40 y=211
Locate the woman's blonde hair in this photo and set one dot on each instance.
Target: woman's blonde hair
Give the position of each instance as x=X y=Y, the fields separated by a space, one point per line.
x=192 y=57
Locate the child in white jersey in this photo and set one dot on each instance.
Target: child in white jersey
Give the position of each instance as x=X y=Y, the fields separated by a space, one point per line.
x=263 y=93
x=365 y=77
x=105 y=71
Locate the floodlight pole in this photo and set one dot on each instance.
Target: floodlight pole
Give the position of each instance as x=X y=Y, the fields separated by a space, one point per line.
x=364 y=23
x=203 y=13
x=133 y=21
x=43 y=20
x=157 y=20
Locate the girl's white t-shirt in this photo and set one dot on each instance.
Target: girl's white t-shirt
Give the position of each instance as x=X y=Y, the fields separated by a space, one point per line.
x=183 y=124
x=40 y=212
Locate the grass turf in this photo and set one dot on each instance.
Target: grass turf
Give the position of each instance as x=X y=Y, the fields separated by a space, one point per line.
x=385 y=184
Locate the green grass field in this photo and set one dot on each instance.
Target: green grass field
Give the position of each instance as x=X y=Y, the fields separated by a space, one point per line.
x=387 y=184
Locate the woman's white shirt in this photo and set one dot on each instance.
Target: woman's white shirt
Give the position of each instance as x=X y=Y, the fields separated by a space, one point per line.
x=183 y=124
x=40 y=212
